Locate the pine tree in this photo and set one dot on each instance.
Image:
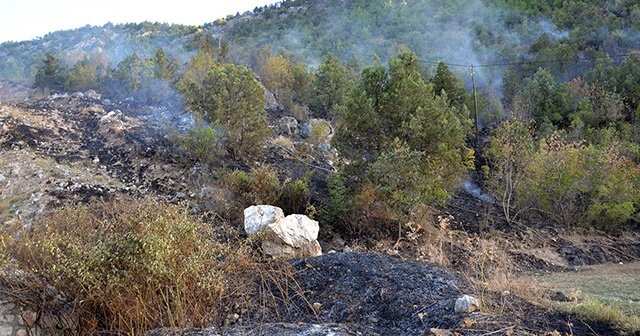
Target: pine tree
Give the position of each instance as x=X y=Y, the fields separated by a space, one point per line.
x=231 y=98
x=50 y=75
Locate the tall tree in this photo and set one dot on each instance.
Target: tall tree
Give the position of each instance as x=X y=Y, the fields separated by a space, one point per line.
x=395 y=115
x=82 y=76
x=163 y=67
x=231 y=98
x=50 y=75
x=328 y=88
x=446 y=81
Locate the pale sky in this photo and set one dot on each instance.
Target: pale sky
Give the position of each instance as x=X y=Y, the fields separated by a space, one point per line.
x=27 y=19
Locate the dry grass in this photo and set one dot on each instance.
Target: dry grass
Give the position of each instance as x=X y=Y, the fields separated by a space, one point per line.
x=284 y=142
x=485 y=262
x=608 y=293
x=132 y=265
x=25 y=117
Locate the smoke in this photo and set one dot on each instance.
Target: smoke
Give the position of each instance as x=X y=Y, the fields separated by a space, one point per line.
x=472 y=189
x=459 y=32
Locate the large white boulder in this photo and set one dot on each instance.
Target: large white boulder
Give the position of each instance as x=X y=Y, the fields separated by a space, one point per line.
x=293 y=236
x=296 y=230
x=258 y=217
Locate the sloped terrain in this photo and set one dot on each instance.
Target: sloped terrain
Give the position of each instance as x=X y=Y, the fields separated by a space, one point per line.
x=71 y=148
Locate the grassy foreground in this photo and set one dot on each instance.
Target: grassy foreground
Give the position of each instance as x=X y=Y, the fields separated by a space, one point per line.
x=608 y=293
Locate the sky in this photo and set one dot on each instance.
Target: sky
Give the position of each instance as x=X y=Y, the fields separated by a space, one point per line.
x=22 y=20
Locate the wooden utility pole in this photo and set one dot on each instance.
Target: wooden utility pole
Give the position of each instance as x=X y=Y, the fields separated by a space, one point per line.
x=475 y=104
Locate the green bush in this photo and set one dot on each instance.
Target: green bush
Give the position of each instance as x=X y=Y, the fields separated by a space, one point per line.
x=337 y=209
x=202 y=143
x=571 y=183
x=259 y=186
x=128 y=266
x=262 y=185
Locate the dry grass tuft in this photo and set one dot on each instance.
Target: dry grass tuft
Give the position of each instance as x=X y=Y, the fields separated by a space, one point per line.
x=129 y=266
x=284 y=142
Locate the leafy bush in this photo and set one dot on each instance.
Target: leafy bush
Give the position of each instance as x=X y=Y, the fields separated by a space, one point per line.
x=337 y=210
x=263 y=186
x=202 y=142
x=231 y=97
x=128 y=266
x=508 y=153
x=260 y=186
x=568 y=182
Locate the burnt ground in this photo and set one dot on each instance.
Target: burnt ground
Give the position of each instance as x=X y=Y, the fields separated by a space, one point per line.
x=72 y=148
x=377 y=294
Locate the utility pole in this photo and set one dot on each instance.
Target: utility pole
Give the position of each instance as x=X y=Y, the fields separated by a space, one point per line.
x=475 y=103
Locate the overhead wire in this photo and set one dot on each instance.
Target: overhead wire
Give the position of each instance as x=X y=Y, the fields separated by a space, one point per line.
x=504 y=64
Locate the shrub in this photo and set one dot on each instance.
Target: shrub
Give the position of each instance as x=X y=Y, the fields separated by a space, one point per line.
x=128 y=266
x=337 y=209
x=263 y=186
x=574 y=183
x=321 y=132
x=202 y=143
x=260 y=186
x=296 y=196
x=508 y=153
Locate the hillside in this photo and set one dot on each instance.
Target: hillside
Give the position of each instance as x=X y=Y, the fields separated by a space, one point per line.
x=445 y=148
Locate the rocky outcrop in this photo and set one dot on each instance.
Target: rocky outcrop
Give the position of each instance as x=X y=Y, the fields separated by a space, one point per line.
x=289 y=237
x=288 y=126
x=271 y=104
x=16 y=320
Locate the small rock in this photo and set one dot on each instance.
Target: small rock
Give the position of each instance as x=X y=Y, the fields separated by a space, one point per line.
x=467 y=304
x=306 y=129
x=29 y=317
x=316 y=306
x=6 y=329
x=231 y=319
x=91 y=94
x=347 y=249
x=288 y=126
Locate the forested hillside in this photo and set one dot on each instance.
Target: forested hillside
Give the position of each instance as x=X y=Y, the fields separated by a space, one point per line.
x=491 y=137
x=558 y=85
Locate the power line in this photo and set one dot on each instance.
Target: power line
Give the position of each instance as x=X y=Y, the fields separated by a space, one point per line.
x=528 y=62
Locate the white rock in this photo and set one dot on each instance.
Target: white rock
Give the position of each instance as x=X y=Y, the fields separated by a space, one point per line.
x=258 y=217
x=467 y=304
x=291 y=236
x=296 y=230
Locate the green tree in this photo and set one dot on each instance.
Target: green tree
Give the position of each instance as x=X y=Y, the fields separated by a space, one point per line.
x=163 y=67
x=231 y=98
x=82 y=76
x=546 y=97
x=198 y=68
x=328 y=88
x=508 y=153
x=359 y=137
x=402 y=138
x=276 y=75
x=50 y=76
x=446 y=81
x=133 y=71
